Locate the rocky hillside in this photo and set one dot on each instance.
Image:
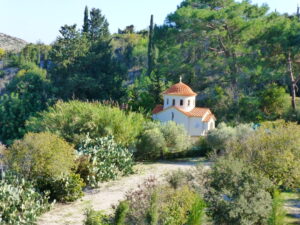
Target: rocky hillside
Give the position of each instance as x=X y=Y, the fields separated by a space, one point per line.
x=10 y=43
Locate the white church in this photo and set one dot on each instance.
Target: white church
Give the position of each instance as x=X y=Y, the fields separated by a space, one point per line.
x=180 y=107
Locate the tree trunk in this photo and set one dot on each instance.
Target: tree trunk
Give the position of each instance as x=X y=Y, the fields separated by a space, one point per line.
x=293 y=82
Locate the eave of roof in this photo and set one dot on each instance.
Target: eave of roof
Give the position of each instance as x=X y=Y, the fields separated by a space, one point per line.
x=203 y=113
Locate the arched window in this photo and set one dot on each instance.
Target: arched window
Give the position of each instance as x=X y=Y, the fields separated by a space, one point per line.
x=172 y=116
x=181 y=102
x=173 y=101
x=167 y=101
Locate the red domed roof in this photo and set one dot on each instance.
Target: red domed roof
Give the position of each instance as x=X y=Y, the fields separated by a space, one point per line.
x=180 y=89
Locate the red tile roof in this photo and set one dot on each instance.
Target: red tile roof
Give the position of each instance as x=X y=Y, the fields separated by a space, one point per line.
x=209 y=117
x=158 y=109
x=204 y=113
x=180 y=89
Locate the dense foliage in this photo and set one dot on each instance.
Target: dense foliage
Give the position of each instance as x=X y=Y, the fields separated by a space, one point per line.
x=29 y=92
x=160 y=140
x=161 y=204
x=20 y=203
x=237 y=194
x=272 y=150
x=73 y=120
x=41 y=155
x=85 y=67
x=224 y=135
x=106 y=160
x=66 y=188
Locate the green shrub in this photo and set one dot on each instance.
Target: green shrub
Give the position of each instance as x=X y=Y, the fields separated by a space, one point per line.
x=161 y=204
x=83 y=168
x=2 y=74
x=65 y=189
x=277 y=214
x=177 y=205
x=159 y=140
x=237 y=195
x=274 y=101
x=28 y=93
x=3 y=152
x=121 y=212
x=107 y=159
x=75 y=119
x=178 y=178
x=219 y=138
x=274 y=150
x=151 y=145
x=19 y=201
x=41 y=155
x=197 y=213
x=96 y=218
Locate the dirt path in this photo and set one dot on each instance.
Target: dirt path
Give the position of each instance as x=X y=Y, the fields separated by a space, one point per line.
x=109 y=193
x=292 y=207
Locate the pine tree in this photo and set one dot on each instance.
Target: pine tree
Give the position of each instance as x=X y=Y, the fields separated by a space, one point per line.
x=98 y=25
x=86 y=20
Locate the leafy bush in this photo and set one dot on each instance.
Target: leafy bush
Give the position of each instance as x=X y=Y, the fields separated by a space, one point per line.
x=75 y=119
x=161 y=204
x=2 y=74
x=41 y=155
x=274 y=101
x=3 y=152
x=151 y=145
x=96 y=218
x=107 y=159
x=177 y=205
x=162 y=139
x=64 y=189
x=28 y=93
x=274 y=149
x=19 y=201
x=237 y=195
x=219 y=138
x=121 y=212
x=278 y=214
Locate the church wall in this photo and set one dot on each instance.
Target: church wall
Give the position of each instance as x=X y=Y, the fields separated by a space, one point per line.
x=179 y=117
x=197 y=127
x=168 y=101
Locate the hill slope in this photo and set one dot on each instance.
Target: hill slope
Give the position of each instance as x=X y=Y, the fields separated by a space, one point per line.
x=10 y=43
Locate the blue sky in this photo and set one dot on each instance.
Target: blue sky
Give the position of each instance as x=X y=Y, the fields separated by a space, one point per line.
x=34 y=20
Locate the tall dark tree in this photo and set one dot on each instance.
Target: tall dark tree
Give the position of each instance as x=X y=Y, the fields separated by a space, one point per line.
x=151 y=50
x=98 y=25
x=83 y=66
x=85 y=27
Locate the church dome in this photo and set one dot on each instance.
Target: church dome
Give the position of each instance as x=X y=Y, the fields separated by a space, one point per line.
x=180 y=89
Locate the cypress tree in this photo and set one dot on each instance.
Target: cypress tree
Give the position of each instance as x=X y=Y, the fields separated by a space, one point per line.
x=150 y=48
x=86 y=20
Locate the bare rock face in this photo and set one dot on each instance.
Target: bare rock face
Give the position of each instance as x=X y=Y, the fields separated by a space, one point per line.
x=13 y=44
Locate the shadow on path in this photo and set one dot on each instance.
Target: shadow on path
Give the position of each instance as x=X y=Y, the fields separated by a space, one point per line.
x=292 y=207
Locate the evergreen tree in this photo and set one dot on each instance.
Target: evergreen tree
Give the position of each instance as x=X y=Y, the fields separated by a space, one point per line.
x=86 y=20
x=98 y=25
x=150 y=48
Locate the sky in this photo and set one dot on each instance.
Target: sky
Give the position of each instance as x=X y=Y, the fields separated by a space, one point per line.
x=40 y=20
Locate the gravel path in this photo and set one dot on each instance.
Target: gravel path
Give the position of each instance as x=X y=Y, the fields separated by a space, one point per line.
x=109 y=193
x=292 y=207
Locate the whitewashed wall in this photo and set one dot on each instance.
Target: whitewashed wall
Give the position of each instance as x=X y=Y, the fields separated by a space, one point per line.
x=185 y=105
x=179 y=117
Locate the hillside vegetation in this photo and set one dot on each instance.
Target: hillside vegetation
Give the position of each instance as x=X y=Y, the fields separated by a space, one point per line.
x=77 y=113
